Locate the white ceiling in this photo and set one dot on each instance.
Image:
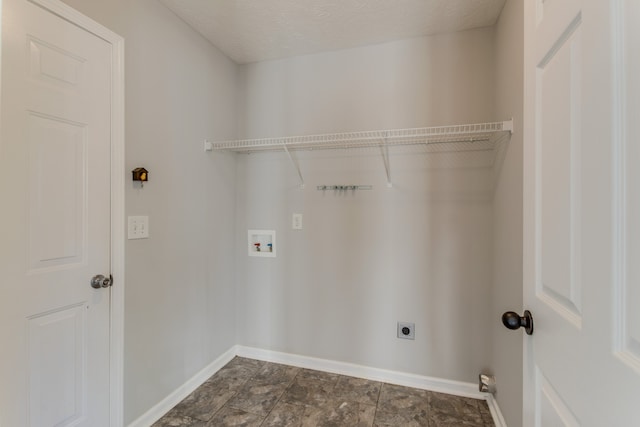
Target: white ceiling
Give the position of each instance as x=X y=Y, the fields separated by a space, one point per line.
x=258 y=30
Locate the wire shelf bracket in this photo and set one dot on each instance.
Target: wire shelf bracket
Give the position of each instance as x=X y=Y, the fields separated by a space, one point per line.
x=384 y=149
x=296 y=165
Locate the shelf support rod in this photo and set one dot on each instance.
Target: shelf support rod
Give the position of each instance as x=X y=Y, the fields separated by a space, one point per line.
x=295 y=164
x=384 y=148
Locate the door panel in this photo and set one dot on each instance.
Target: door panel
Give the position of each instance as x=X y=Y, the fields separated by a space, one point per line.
x=581 y=201
x=551 y=19
x=53 y=64
x=552 y=213
x=552 y=410
x=558 y=149
x=55 y=179
x=57 y=343
x=553 y=286
x=628 y=284
x=57 y=199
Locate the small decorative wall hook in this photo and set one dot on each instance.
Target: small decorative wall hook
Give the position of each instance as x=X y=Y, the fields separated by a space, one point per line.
x=140 y=174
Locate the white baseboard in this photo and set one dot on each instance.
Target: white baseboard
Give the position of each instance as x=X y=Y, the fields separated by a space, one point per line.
x=498 y=419
x=457 y=388
x=166 y=404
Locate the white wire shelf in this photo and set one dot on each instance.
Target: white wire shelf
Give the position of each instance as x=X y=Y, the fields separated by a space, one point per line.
x=467 y=134
x=457 y=138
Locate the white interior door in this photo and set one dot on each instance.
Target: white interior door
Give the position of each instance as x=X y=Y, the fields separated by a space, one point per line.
x=55 y=225
x=582 y=279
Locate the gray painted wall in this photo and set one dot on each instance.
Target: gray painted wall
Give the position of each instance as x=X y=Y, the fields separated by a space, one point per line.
x=507 y=285
x=419 y=252
x=427 y=81
x=180 y=282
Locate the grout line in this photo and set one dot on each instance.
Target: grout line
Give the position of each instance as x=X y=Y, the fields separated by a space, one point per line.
x=283 y=393
x=224 y=405
x=375 y=413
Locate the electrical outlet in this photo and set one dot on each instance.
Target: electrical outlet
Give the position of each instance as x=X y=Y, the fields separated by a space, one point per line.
x=297 y=221
x=407 y=330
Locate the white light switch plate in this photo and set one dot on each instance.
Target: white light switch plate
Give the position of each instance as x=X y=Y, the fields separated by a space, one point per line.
x=138 y=227
x=297 y=221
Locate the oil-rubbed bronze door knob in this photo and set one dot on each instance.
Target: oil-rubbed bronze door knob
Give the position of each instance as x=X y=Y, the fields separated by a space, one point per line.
x=513 y=320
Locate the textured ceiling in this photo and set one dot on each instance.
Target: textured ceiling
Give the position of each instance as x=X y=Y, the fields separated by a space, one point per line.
x=258 y=30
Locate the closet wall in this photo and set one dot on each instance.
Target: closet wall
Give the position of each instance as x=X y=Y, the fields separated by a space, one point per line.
x=506 y=360
x=180 y=282
x=420 y=251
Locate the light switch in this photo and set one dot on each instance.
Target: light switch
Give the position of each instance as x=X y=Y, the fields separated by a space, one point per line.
x=138 y=227
x=297 y=221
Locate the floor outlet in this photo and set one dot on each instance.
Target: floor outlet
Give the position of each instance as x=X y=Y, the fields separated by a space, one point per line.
x=407 y=330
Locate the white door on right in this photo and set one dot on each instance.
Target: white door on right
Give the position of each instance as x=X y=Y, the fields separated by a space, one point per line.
x=582 y=212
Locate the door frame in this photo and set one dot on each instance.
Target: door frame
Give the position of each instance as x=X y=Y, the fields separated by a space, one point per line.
x=116 y=306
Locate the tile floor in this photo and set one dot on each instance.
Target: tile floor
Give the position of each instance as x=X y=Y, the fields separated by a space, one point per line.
x=248 y=392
